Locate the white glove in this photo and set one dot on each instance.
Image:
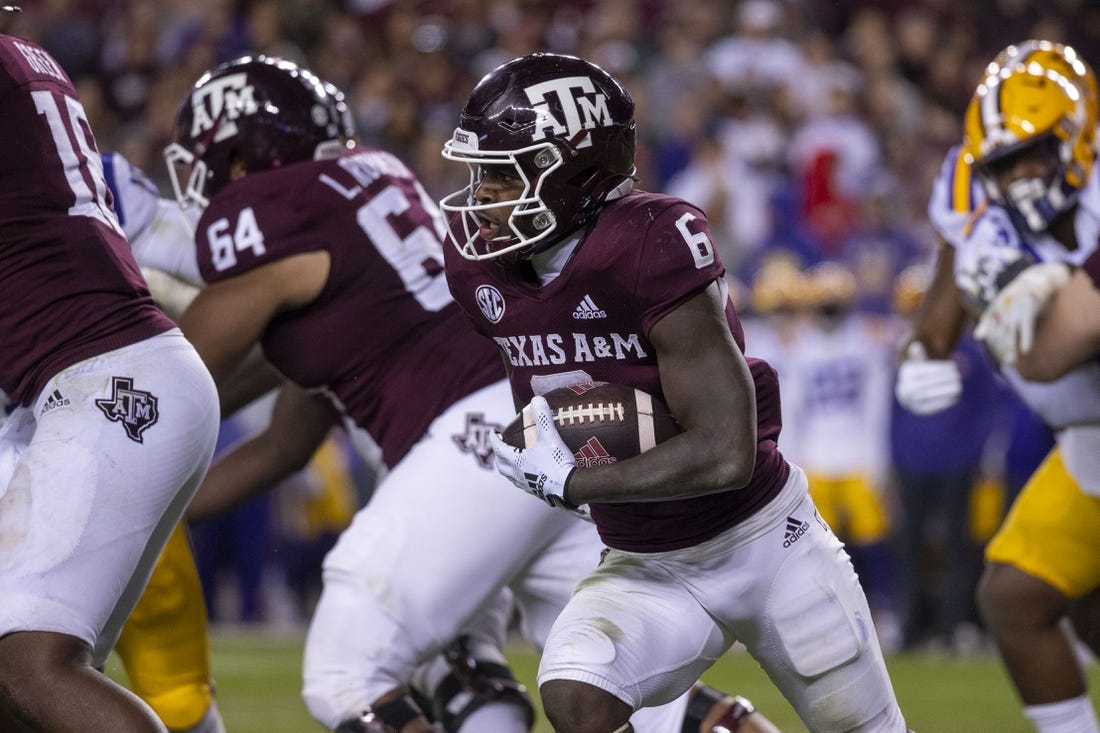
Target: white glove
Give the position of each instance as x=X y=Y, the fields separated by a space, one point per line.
x=543 y=470
x=1008 y=325
x=925 y=386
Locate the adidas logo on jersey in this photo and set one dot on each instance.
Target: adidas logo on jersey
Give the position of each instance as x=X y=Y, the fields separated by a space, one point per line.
x=795 y=529
x=592 y=454
x=587 y=310
x=54 y=401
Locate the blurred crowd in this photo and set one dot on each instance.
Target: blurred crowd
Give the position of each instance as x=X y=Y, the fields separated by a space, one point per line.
x=809 y=131
x=817 y=125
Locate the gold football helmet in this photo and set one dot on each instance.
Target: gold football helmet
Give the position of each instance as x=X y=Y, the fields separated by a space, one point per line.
x=1039 y=99
x=830 y=286
x=777 y=287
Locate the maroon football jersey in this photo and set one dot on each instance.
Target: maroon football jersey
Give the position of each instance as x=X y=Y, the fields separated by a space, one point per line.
x=645 y=255
x=384 y=337
x=69 y=287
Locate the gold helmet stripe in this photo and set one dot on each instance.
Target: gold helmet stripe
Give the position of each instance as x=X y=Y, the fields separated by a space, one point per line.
x=962 y=180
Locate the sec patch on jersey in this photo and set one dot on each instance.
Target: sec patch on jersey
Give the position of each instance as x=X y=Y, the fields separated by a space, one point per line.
x=600 y=422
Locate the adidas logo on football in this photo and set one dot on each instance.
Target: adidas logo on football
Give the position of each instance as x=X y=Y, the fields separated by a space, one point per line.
x=587 y=310
x=54 y=401
x=592 y=454
x=795 y=529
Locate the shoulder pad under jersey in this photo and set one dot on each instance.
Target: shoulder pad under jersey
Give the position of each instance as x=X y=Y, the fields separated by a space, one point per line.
x=956 y=195
x=134 y=195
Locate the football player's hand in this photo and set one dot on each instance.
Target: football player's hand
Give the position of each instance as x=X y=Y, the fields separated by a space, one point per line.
x=1008 y=325
x=925 y=386
x=544 y=469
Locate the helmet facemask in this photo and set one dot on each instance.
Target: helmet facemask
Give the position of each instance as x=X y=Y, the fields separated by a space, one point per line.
x=188 y=176
x=562 y=127
x=1033 y=201
x=530 y=222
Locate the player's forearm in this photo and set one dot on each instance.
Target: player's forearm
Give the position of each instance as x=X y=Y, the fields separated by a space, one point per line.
x=1068 y=332
x=683 y=467
x=940 y=318
x=242 y=475
x=299 y=424
x=254 y=378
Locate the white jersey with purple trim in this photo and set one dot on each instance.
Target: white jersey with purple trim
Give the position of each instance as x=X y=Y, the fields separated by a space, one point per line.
x=1071 y=404
x=161 y=234
x=956 y=194
x=839 y=378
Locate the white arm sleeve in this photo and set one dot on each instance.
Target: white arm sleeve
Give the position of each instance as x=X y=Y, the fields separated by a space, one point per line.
x=167 y=243
x=161 y=234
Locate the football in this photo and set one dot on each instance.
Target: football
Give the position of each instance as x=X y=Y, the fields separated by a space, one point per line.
x=600 y=422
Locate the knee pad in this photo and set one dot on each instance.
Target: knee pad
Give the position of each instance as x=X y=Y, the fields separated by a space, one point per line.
x=474 y=683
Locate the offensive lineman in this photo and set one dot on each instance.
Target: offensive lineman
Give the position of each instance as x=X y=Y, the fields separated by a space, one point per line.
x=115 y=422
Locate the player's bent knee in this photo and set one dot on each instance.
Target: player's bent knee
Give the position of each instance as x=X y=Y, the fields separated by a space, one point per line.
x=576 y=707
x=31 y=661
x=1008 y=598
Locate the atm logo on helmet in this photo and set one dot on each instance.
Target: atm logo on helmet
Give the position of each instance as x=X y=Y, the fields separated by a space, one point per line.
x=582 y=106
x=223 y=101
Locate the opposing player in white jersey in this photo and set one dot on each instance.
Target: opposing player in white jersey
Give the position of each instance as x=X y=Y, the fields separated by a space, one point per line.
x=161 y=234
x=773 y=313
x=1030 y=135
x=115 y=418
x=328 y=255
x=839 y=375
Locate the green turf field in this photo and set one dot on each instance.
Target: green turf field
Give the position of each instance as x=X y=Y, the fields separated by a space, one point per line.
x=257 y=677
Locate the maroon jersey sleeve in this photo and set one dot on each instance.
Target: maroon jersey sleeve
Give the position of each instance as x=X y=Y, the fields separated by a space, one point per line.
x=645 y=255
x=384 y=337
x=1091 y=267
x=69 y=287
x=676 y=262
